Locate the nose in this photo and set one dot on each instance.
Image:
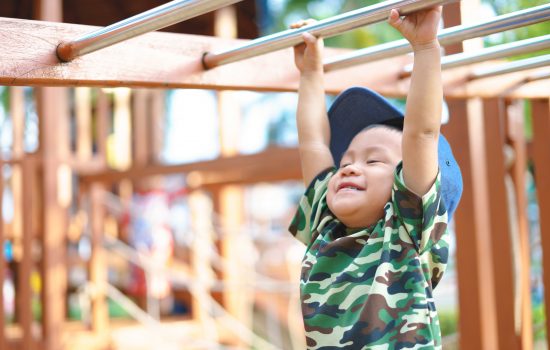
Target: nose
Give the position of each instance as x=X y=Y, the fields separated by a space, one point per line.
x=350 y=170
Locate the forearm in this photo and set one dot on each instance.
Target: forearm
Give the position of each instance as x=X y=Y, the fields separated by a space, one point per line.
x=422 y=121
x=313 y=126
x=311 y=118
x=425 y=93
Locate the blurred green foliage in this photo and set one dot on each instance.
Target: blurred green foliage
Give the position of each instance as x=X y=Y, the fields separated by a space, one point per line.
x=506 y=6
x=539 y=322
x=288 y=11
x=448 y=321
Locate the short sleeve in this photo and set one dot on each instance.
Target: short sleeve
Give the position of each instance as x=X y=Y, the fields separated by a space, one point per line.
x=424 y=218
x=311 y=206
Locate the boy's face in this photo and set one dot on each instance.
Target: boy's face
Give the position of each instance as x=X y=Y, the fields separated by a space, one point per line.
x=362 y=185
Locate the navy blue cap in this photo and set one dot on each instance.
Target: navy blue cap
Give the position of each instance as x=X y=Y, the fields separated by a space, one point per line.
x=356 y=108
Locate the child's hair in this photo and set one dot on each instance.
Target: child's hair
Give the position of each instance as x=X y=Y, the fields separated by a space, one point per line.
x=385 y=126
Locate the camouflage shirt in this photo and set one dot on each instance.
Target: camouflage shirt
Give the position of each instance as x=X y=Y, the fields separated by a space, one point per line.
x=371 y=288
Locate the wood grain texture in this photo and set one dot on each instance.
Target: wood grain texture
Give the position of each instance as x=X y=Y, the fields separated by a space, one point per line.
x=159 y=60
x=169 y=60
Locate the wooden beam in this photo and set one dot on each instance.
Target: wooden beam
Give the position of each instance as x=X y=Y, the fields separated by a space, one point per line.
x=241 y=169
x=168 y=60
x=516 y=136
x=500 y=232
x=513 y=85
x=541 y=158
x=477 y=323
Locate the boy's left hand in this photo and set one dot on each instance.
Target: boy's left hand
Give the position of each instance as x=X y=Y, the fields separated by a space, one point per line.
x=419 y=28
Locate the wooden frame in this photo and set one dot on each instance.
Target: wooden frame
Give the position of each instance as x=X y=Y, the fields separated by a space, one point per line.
x=135 y=63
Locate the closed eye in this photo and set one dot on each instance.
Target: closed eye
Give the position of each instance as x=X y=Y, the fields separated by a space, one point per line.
x=373 y=161
x=344 y=165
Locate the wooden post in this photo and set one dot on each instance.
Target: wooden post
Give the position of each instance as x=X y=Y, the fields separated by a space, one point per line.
x=516 y=136
x=17 y=111
x=204 y=276
x=102 y=125
x=157 y=112
x=140 y=131
x=477 y=323
x=477 y=319
x=541 y=158
x=52 y=108
x=120 y=147
x=97 y=265
x=25 y=266
x=2 y=260
x=83 y=103
x=500 y=232
x=238 y=300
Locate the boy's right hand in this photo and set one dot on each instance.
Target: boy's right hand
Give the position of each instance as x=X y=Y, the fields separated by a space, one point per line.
x=308 y=55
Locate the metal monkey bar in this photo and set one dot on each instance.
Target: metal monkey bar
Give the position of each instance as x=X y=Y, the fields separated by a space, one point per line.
x=326 y=28
x=447 y=36
x=148 y=21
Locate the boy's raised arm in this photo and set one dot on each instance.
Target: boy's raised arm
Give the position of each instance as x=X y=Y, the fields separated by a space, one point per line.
x=311 y=114
x=423 y=111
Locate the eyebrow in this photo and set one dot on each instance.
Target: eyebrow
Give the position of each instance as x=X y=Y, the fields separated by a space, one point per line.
x=369 y=149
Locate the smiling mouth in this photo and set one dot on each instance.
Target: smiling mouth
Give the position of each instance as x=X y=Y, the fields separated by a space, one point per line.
x=349 y=187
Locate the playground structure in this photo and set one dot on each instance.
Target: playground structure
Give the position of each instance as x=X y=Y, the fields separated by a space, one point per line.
x=485 y=97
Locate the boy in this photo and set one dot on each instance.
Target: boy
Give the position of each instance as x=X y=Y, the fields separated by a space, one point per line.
x=376 y=227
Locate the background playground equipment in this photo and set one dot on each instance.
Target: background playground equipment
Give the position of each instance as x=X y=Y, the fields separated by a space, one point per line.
x=233 y=285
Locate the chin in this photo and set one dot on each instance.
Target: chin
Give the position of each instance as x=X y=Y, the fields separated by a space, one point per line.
x=343 y=213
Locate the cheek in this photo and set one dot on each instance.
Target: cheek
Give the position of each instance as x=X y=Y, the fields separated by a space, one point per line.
x=330 y=192
x=385 y=183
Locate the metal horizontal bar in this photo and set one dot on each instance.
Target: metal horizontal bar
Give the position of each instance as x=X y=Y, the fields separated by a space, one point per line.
x=495 y=52
x=538 y=76
x=446 y=37
x=325 y=28
x=511 y=67
x=148 y=21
